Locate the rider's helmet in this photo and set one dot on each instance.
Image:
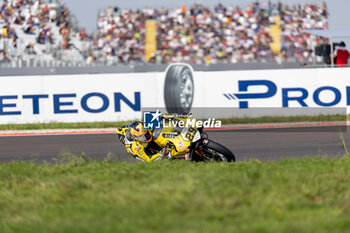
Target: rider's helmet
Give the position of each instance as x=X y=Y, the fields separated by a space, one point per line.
x=139 y=133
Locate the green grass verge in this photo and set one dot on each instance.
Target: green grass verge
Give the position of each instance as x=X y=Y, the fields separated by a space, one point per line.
x=57 y=125
x=293 y=195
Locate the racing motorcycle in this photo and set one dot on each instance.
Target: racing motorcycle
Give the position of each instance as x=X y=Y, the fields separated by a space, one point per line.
x=180 y=141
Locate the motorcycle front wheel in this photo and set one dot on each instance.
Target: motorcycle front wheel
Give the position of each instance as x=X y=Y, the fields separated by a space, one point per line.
x=218 y=152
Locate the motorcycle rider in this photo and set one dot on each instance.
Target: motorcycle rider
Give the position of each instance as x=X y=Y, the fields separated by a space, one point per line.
x=139 y=142
x=171 y=139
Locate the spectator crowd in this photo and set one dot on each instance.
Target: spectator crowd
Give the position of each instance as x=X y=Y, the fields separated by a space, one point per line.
x=29 y=23
x=195 y=34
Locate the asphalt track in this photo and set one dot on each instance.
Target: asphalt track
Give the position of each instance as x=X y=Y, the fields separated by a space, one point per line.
x=262 y=144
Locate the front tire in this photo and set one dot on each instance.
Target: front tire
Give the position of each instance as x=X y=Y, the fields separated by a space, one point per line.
x=222 y=153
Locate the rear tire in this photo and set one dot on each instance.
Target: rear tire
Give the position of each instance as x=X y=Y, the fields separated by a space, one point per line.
x=222 y=150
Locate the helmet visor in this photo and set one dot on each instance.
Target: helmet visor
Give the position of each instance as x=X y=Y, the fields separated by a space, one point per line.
x=146 y=137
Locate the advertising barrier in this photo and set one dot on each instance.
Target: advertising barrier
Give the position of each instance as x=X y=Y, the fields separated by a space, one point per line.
x=274 y=88
x=287 y=92
x=78 y=98
x=117 y=97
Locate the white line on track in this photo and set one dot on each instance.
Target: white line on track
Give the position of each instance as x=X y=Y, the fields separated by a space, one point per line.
x=112 y=130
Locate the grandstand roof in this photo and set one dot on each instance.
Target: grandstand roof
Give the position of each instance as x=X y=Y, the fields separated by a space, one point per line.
x=330 y=33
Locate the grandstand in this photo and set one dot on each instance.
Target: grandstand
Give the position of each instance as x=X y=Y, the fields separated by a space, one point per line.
x=34 y=33
x=44 y=34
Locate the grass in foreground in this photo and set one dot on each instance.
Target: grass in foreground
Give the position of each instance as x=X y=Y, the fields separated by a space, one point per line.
x=294 y=195
x=57 y=125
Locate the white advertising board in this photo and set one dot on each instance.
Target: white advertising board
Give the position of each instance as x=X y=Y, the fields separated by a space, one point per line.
x=116 y=97
x=260 y=92
x=78 y=98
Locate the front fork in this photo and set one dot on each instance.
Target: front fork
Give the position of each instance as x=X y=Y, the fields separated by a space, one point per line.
x=201 y=142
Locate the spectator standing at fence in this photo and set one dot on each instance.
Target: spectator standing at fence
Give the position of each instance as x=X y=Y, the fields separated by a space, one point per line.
x=14 y=45
x=342 y=55
x=4 y=57
x=30 y=50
